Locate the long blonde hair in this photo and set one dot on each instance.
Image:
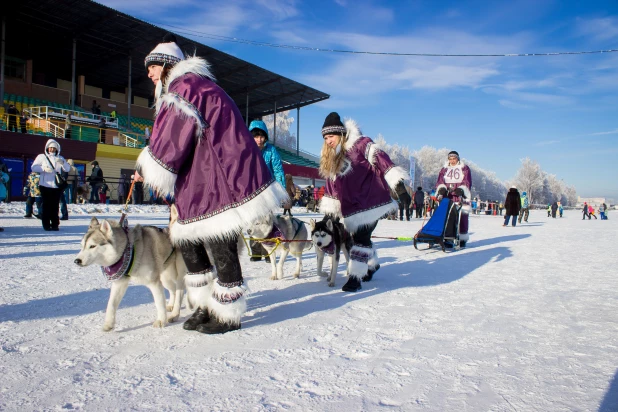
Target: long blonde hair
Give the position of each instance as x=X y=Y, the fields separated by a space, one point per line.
x=331 y=162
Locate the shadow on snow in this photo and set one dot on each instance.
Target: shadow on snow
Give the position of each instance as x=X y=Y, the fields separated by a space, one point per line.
x=610 y=400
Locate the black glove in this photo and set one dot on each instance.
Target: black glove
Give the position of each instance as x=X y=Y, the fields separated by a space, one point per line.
x=460 y=192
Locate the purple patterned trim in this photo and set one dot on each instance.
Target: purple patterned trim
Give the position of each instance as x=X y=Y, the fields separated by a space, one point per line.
x=360 y=255
x=201 y=272
x=230 y=285
x=275 y=233
x=160 y=57
x=228 y=298
x=160 y=162
x=228 y=207
x=125 y=263
x=203 y=123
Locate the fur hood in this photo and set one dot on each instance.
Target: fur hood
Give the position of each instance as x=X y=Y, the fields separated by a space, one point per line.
x=353 y=133
x=195 y=65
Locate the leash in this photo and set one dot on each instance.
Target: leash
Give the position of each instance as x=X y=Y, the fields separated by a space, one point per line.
x=400 y=238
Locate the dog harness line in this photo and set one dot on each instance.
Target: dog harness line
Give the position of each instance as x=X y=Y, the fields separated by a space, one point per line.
x=125 y=263
x=276 y=233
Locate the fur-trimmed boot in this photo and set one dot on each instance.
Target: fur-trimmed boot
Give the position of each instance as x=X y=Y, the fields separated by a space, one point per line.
x=372 y=267
x=357 y=267
x=227 y=305
x=199 y=289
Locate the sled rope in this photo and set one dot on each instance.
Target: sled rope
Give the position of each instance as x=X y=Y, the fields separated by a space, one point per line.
x=400 y=238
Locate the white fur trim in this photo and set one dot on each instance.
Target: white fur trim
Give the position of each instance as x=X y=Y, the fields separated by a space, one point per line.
x=194 y=280
x=230 y=312
x=464 y=236
x=357 y=268
x=155 y=175
x=395 y=175
x=372 y=155
x=467 y=192
x=353 y=133
x=201 y=296
x=330 y=206
x=373 y=260
x=194 y=64
x=185 y=109
x=447 y=164
x=232 y=221
x=354 y=222
x=466 y=209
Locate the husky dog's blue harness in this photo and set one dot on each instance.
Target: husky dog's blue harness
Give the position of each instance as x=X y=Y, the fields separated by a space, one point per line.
x=125 y=263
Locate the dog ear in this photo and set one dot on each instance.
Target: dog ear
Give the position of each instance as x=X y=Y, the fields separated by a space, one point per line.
x=94 y=222
x=312 y=224
x=106 y=228
x=329 y=225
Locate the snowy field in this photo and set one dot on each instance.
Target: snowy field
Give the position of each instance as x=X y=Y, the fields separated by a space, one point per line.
x=524 y=319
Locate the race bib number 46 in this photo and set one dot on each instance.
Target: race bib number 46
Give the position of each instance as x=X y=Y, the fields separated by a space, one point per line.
x=454 y=175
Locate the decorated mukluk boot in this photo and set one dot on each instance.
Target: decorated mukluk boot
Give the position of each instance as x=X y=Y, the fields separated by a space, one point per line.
x=226 y=301
x=372 y=266
x=357 y=267
x=199 y=289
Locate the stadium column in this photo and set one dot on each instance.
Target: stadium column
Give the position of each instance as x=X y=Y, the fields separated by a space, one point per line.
x=247 y=109
x=2 y=58
x=298 y=131
x=275 y=124
x=129 y=97
x=73 y=75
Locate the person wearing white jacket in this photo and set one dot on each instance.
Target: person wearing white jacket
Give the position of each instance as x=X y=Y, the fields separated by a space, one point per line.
x=47 y=165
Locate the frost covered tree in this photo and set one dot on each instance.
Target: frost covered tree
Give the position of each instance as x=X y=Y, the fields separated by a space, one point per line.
x=570 y=195
x=284 y=136
x=556 y=188
x=530 y=179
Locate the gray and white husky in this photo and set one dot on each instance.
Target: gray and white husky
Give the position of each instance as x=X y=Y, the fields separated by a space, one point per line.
x=287 y=228
x=146 y=255
x=330 y=238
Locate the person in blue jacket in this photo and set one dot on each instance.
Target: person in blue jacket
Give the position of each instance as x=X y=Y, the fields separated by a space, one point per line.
x=271 y=156
x=273 y=161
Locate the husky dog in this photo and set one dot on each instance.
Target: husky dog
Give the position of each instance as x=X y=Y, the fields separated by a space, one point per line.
x=329 y=237
x=285 y=228
x=82 y=192
x=143 y=254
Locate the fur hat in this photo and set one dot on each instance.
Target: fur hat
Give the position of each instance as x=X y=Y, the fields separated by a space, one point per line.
x=333 y=125
x=453 y=153
x=166 y=52
x=258 y=124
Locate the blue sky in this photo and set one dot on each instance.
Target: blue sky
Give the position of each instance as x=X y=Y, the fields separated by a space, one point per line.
x=561 y=111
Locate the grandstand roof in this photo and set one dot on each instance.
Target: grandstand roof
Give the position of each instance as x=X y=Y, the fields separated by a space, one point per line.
x=43 y=30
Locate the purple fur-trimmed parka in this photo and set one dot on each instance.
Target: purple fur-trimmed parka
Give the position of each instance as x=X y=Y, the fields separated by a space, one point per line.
x=202 y=154
x=359 y=193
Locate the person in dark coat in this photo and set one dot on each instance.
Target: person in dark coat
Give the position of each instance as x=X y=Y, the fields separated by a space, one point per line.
x=95 y=180
x=512 y=204
x=359 y=178
x=419 y=201
x=202 y=154
x=554 y=209
x=404 y=200
x=13 y=115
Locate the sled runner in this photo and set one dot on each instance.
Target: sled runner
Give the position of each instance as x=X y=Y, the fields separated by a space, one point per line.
x=442 y=228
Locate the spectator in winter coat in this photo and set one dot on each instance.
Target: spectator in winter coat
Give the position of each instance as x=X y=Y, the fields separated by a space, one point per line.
x=419 y=201
x=271 y=156
x=121 y=189
x=95 y=180
x=404 y=200
x=512 y=204
x=72 y=179
x=524 y=212
x=554 y=209
x=359 y=177
x=549 y=210
x=47 y=165
x=585 y=212
x=602 y=211
x=33 y=193
x=4 y=178
x=591 y=212
x=560 y=209
x=12 y=114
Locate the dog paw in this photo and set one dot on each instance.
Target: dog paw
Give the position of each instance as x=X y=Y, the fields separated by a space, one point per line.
x=297 y=275
x=273 y=277
x=331 y=284
x=169 y=308
x=158 y=324
x=107 y=328
x=172 y=319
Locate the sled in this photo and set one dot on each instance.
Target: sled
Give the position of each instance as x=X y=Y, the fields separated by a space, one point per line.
x=442 y=228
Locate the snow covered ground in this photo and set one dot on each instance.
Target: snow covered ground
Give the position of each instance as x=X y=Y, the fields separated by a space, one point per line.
x=524 y=319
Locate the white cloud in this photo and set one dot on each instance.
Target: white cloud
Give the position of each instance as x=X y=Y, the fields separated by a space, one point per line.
x=604 y=133
x=598 y=29
x=546 y=142
x=513 y=105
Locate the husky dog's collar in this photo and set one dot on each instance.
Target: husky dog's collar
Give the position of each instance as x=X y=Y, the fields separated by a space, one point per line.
x=125 y=263
x=330 y=249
